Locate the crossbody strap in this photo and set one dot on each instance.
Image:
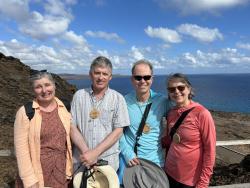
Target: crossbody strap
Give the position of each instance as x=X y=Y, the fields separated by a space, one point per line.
x=141 y=126
x=179 y=121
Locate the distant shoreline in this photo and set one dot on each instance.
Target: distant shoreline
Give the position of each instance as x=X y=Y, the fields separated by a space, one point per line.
x=86 y=76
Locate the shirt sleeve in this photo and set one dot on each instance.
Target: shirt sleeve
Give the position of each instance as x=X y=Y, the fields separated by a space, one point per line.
x=73 y=109
x=121 y=117
x=22 y=149
x=126 y=150
x=208 y=136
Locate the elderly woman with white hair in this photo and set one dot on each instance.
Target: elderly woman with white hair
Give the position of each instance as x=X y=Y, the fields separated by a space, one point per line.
x=42 y=142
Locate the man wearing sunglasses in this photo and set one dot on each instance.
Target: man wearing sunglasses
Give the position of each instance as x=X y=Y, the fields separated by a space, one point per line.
x=149 y=146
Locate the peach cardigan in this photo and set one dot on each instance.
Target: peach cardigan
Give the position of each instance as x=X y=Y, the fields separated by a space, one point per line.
x=27 y=144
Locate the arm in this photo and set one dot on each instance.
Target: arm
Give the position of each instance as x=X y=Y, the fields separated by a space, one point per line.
x=77 y=139
x=128 y=152
x=90 y=156
x=21 y=137
x=208 y=136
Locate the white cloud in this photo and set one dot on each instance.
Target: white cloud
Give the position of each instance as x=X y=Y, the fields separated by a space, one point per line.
x=17 y=10
x=75 y=60
x=77 y=40
x=54 y=21
x=57 y=8
x=104 y=35
x=164 y=34
x=203 y=34
x=227 y=57
x=245 y=46
x=136 y=54
x=41 y=27
x=194 y=6
x=53 y=59
x=103 y=53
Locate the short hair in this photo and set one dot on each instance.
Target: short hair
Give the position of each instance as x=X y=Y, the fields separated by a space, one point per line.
x=39 y=75
x=144 y=62
x=101 y=61
x=183 y=79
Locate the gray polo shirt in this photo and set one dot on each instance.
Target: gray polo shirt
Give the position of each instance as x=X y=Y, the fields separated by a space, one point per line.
x=113 y=114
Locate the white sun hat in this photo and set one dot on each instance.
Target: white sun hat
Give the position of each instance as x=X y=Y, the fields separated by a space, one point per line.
x=103 y=177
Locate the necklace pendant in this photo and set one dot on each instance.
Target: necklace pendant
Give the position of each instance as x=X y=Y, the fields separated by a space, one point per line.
x=176 y=138
x=94 y=113
x=146 y=128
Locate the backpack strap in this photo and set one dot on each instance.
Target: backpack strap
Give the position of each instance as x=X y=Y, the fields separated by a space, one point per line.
x=66 y=104
x=29 y=110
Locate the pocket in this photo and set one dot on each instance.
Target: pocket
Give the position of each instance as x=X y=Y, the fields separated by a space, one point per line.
x=106 y=117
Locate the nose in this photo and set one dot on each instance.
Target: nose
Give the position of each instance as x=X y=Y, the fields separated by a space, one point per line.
x=43 y=89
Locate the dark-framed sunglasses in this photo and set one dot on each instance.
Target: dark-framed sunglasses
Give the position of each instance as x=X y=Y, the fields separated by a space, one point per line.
x=139 y=78
x=35 y=72
x=180 y=88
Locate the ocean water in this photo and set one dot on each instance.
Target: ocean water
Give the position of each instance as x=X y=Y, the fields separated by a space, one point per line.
x=223 y=92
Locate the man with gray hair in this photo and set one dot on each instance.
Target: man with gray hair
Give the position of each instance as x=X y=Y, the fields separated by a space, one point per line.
x=100 y=113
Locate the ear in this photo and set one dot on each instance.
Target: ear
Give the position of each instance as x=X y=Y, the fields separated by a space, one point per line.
x=131 y=79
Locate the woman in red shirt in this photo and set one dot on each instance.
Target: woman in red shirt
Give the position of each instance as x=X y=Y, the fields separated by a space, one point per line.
x=191 y=155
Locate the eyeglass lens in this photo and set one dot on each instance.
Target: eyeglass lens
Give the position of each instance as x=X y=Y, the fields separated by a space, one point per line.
x=139 y=78
x=180 y=88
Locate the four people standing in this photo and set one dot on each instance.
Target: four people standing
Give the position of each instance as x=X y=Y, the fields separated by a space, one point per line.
x=101 y=114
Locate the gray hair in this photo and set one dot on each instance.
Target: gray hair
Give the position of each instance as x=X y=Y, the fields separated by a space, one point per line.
x=41 y=74
x=144 y=62
x=183 y=79
x=101 y=61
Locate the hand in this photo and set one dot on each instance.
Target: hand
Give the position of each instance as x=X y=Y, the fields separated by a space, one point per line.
x=134 y=162
x=89 y=158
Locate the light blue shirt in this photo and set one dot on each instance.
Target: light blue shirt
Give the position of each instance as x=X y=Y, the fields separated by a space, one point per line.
x=149 y=143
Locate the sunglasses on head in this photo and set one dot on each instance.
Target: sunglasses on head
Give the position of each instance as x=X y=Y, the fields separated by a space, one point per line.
x=180 y=88
x=139 y=78
x=35 y=72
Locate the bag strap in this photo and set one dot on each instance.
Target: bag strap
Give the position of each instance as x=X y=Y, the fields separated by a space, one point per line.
x=29 y=110
x=179 y=121
x=141 y=126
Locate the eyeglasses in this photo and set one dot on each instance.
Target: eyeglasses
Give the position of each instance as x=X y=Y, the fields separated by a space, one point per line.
x=139 y=78
x=35 y=72
x=180 y=88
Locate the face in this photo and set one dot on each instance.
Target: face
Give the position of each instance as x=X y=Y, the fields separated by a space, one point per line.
x=100 y=77
x=179 y=92
x=142 y=79
x=44 y=90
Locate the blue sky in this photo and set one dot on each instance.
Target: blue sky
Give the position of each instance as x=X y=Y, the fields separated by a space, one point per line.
x=189 y=36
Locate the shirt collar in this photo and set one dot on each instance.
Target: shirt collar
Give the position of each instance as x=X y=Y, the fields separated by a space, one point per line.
x=36 y=104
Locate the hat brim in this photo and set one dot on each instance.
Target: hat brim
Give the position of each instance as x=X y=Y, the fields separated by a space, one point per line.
x=104 y=177
x=146 y=174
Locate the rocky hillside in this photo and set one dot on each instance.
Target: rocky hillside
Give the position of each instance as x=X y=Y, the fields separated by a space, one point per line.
x=16 y=91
